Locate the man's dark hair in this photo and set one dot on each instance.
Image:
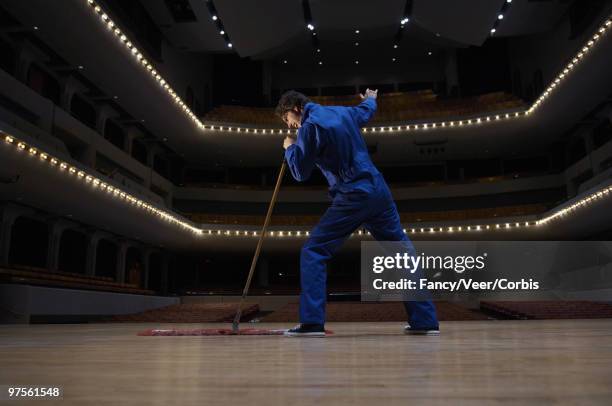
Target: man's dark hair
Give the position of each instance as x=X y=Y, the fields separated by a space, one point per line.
x=289 y=100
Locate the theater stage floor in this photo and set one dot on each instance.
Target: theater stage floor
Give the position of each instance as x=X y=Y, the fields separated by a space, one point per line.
x=475 y=362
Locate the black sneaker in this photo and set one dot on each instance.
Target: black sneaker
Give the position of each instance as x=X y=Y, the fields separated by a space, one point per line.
x=421 y=331
x=306 y=330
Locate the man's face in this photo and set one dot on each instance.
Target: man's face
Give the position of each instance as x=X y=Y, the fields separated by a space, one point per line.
x=293 y=118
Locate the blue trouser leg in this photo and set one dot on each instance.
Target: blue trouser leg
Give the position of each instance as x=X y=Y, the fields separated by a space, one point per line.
x=338 y=222
x=385 y=226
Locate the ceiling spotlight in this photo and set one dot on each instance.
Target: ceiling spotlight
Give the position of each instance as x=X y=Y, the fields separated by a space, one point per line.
x=356 y=44
x=395 y=46
x=229 y=45
x=80 y=66
x=393 y=59
x=318 y=49
x=356 y=62
x=285 y=61
x=429 y=53
x=356 y=31
x=214 y=17
x=493 y=30
x=320 y=62
x=35 y=28
x=222 y=32
x=115 y=97
x=500 y=17
x=310 y=27
x=508 y=1
x=437 y=34
x=404 y=20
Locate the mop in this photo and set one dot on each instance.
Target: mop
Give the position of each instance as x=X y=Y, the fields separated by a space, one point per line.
x=235 y=330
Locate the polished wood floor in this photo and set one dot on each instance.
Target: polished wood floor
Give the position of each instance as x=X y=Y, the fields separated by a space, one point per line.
x=475 y=362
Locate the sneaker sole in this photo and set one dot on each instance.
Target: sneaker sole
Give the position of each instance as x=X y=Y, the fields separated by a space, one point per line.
x=422 y=332
x=313 y=334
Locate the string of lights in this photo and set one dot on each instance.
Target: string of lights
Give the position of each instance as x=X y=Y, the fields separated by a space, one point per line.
x=475 y=121
x=215 y=17
x=97 y=183
x=500 y=16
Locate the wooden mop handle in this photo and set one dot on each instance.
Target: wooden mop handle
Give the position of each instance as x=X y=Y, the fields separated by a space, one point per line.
x=259 y=244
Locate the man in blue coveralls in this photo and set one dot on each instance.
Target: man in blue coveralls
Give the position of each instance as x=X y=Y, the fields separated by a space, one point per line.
x=330 y=139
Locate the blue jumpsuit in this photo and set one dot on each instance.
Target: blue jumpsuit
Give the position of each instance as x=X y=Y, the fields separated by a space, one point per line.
x=330 y=139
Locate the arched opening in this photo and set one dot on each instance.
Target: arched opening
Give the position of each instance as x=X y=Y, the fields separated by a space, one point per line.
x=189 y=97
x=160 y=165
x=139 y=151
x=114 y=133
x=29 y=243
x=106 y=259
x=43 y=83
x=72 y=252
x=133 y=266
x=83 y=111
x=8 y=58
x=155 y=272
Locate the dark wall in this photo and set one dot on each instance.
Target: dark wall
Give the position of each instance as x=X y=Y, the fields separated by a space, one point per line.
x=484 y=69
x=237 y=81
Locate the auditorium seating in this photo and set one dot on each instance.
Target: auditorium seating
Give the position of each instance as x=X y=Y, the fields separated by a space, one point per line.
x=547 y=309
x=191 y=313
x=392 y=108
x=42 y=277
x=307 y=220
x=373 y=311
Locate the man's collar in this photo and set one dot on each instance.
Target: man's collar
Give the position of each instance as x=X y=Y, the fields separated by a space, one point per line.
x=307 y=107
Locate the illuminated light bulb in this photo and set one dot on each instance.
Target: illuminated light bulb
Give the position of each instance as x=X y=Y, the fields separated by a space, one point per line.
x=43 y=156
x=97 y=8
x=63 y=165
x=104 y=17
x=9 y=139
x=21 y=145
x=32 y=151
x=81 y=174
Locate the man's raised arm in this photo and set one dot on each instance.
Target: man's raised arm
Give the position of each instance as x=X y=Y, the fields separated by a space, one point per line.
x=365 y=110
